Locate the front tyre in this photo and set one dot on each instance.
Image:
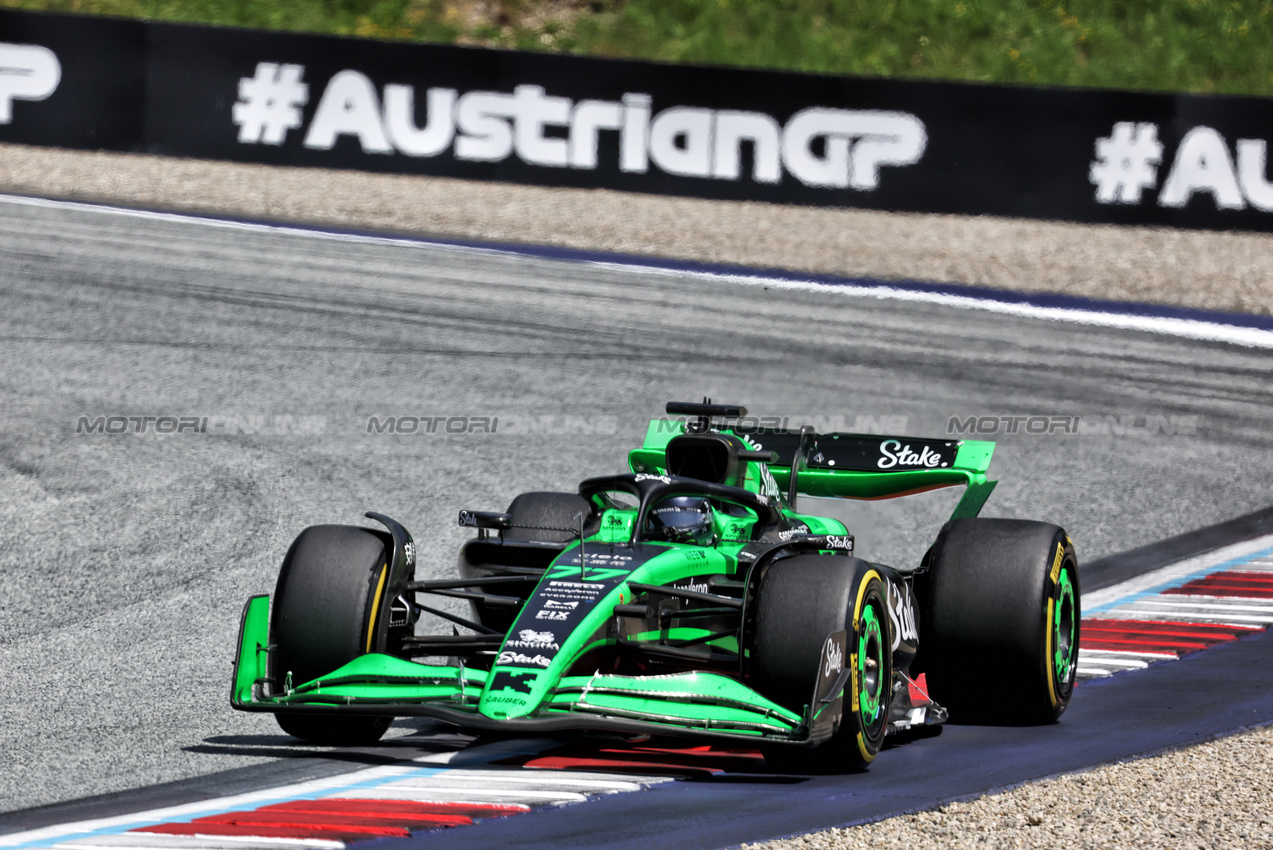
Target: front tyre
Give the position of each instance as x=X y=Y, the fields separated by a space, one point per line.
x=326 y=603
x=800 y=601
x=1000 y=631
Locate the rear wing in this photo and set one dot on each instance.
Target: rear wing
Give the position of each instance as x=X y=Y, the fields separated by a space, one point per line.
x=849 y=466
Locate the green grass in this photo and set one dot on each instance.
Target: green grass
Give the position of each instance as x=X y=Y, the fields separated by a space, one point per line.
x=1183 y=45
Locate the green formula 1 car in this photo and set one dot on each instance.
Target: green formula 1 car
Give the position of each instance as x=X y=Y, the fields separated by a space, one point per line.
x=690 y=597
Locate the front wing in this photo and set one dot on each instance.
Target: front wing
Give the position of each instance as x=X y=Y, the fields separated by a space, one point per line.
x=691 y=704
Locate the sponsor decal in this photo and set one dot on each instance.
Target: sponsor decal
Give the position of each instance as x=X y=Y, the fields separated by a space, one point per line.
x=531 y=639
x=901 y=611
x=796 y=529
x=571 y=590
x=647 y=477
x=1127 y=166
x=561 y=606
x=517 y=659
x=602 y=558
x=506 y=700
x=518 y=682
x=27 y=72
x=696 y=586
x=819 y=146
x=843 y=542
x=1055 y=572
x=834 y=656
x=768 y=486
x=409 y=550
x=591 y=574
x=894 y=454
x=552 y=616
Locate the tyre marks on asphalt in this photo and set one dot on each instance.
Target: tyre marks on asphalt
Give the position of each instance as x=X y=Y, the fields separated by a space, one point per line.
x=1181 y=608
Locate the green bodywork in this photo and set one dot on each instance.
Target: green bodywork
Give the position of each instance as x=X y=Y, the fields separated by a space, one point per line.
x=969 y=469
x=550 y=686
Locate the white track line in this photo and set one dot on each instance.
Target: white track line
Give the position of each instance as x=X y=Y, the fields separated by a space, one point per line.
x=1122 y=656
x=156 y=841
x=1187 y=328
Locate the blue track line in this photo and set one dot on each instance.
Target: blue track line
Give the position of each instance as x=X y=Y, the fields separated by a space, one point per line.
x=1177 y=582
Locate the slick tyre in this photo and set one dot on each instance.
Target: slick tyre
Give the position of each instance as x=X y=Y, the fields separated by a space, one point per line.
x=1000 y=621
x=546 y=517
x=799 y=601
x=326 y=604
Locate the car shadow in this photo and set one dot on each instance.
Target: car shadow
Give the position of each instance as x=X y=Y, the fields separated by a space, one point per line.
x=407 y=741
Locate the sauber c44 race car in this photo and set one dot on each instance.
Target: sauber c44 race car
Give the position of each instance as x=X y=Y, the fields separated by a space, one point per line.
x=690 y=597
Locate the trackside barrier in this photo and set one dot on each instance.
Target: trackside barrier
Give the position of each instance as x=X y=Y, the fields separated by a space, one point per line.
x=303 y=100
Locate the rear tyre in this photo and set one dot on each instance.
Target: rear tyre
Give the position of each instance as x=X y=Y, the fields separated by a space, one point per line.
x=1000 y=628
x=799 y=602
x=546 y=517
x=326 y=604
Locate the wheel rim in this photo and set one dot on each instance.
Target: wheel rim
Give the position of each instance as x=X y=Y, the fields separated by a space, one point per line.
x=1064 y=625
x=870 y=653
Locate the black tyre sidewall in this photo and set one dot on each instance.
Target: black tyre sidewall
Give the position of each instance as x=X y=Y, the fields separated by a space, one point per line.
x=985 y=639
x=799 y=602
x=326 y=602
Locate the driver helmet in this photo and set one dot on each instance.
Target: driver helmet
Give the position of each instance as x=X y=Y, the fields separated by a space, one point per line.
x=682 y=519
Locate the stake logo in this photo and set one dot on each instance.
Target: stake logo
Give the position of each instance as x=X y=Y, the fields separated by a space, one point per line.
x=517 y=659
x=27 y=72
x=819 y=147
x=833 y=657
x=893 y=453
x=901 y=612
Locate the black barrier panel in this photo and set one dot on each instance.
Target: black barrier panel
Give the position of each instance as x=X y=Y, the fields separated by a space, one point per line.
x=72 y=82
x=290 y=99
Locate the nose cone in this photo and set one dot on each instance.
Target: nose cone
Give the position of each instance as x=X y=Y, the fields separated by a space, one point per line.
x=510 y=693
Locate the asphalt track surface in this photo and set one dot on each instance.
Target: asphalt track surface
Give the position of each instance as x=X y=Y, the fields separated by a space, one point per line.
x=125 y=559
x=1167 y=706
